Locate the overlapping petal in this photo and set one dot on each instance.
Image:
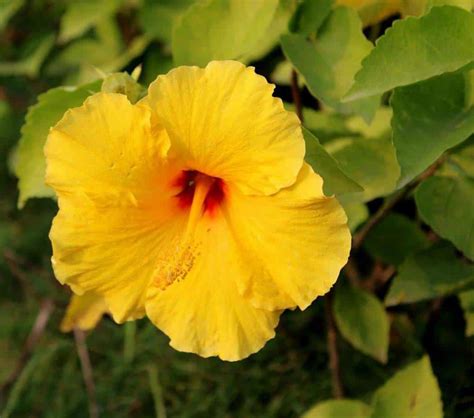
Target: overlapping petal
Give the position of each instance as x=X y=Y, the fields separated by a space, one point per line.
x=224 y=122
x=294 y=242
x=115 y=213
x=204 y=313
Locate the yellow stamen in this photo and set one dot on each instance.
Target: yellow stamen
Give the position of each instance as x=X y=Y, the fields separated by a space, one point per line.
x=181 y=254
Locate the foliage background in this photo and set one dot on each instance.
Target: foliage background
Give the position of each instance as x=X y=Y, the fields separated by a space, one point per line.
x=405 y=293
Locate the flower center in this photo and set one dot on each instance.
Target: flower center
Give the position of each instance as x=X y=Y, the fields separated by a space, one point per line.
x=200 y=194
x=209 y=191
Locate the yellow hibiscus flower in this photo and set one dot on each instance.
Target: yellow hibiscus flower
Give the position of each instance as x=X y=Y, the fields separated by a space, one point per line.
x=194 y=207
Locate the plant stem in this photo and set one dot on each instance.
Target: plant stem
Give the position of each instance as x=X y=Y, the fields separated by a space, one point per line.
x=87 y=374
x=130 y=330
x=35 y=335
x=295 y=92
x=156 y=391
x=336 y=382
x=390 y=203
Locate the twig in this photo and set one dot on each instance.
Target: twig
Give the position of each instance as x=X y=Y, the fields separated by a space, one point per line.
x=13 y=262
x=35 y=335
x=352 y=273
x=336 y=382
x=156 y=391
x=295 y=92
x=390 y=204
x=87 y=374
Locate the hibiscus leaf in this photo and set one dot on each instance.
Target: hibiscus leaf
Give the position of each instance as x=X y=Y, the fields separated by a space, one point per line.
x=370 y=162
x=310 y=16
x=430 y=273
x=29 y=164
x=336 y=408
x=335 y=180
x=416 y=49
x=447 y=205
x=467 y=303
x=329 y=62
x=220 y=29
x=83 y=15
x=412 y=392
x=362 y=320
x=428 y=118
x=394 y=238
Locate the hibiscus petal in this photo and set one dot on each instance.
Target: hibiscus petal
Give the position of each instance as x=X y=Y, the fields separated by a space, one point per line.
x=224 y=122
x=204 y=313
x=294 y=242
x=83 y=312
x=116 y=215
x=105 y=151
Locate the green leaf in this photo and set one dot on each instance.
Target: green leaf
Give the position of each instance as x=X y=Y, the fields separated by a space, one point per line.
x=412 y=392
x=370 y=162
x=157 y=17
x=8 y=9
x=463 y=158
x=220 y=29
x=30 y=164
x=83 y=15
x=467 y=304
x=362 y=320
x=428 y=118
x=29 y=66
x=415 y=49
x=277 y=27
x=329 y=63
x=356 y=213
x=447 y=205
x=310 y=16
x=325 y=125
x=430 y=273
x=394 y=238
x=335 y=180
x=338 y=409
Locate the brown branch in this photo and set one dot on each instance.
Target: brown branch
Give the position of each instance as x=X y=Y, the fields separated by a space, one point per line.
x=35 y=335
x=390 y=203
x=87 y=374
x=336 y=382
x=295 y=92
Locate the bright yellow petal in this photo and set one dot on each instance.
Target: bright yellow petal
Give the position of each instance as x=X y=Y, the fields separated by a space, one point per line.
x=105 y=151
x=83 y=312
x=204 y=313
x=294 y=243
x=223 y=121
x=116 y=212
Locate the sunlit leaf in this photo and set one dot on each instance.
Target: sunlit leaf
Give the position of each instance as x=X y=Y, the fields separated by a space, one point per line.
x=338 y=408
x=335 y=180
x=362 y=320
x=310 y=16
x=428 y=118
x=370 y=162
x=412 y=392
x=415 y=49
x=329 y=62
x=220 y=29
x=83 y=15
x=30 y=161
x=430 y=273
